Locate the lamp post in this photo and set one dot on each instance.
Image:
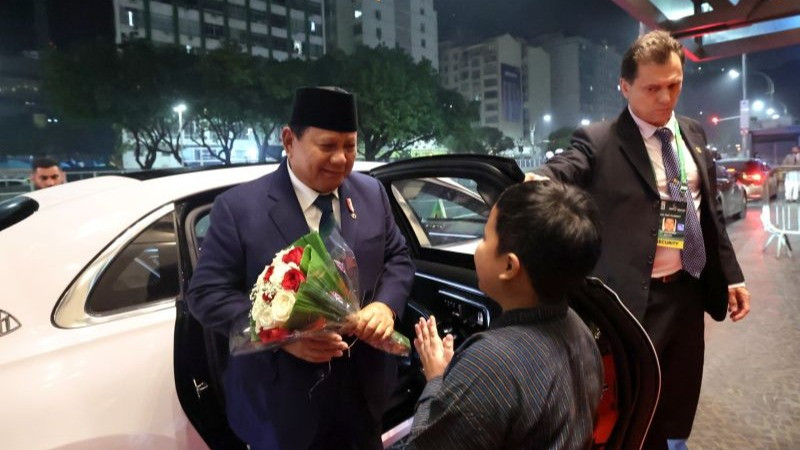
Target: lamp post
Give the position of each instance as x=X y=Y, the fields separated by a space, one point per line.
x=546 y=119
x=744 y=107
x=180 y=108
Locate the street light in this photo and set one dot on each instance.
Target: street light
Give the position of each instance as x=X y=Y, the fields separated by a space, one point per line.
x=546 y=118
x=180 y=109
x=758 y=105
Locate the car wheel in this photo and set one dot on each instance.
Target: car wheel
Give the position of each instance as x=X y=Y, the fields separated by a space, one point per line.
x=721 y=203
x=743 y=210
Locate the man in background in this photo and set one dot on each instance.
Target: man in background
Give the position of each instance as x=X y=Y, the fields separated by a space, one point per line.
x=792 y=180
x=46 y=173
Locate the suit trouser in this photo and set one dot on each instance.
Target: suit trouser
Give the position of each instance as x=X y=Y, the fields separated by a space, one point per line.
x=674 y=321
x=346 y=422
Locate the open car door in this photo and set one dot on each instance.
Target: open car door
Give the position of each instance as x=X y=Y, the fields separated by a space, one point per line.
x=441 y=205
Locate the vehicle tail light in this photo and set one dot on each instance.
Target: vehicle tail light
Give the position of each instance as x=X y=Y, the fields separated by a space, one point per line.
x=753 y=177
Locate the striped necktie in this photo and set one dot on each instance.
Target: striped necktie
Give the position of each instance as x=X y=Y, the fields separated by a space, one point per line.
x=693 y=255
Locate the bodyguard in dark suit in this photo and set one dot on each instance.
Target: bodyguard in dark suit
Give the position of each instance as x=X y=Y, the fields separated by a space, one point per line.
x=313 y=393
x=667 y=278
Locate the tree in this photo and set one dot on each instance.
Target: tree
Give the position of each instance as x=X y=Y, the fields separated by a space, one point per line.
x=458 y=133
x=226 y=98
x=560 y=138
x=134 y=86
x=480 y=140
x=397 y=98
x=277 y=81
x=494 y=141
x=150 y=81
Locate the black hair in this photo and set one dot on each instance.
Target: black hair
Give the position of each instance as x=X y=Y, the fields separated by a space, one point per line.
x=653 y=47
x=554 y=230
x=44 y=163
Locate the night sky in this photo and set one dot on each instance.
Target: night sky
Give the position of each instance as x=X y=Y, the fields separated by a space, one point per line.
x=598 y=20
x=469 y=21
x=68 y=21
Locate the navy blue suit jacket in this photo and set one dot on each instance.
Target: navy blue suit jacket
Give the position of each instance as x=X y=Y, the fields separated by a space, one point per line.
x=267 y=393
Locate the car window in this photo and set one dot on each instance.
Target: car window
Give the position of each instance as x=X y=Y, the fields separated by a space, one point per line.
x=145 y=271
x=721 y=172
x=201 y=227
x=443 y=212
x=733 y=165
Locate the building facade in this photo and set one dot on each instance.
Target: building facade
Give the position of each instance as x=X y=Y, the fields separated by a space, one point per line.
x=585 y=81
x=274 y=29
x=509 y=78
x=407 y=24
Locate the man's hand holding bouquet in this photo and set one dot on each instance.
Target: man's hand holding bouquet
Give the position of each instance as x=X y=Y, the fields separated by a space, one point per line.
x=305 y=300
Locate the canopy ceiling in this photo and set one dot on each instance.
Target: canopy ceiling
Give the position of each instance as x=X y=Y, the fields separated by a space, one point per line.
x=711 y=29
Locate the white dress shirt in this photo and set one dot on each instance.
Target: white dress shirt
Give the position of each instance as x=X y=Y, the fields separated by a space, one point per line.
x=668 y=260
x=306 y=197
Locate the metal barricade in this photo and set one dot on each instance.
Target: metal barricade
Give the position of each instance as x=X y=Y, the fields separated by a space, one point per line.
x=780 y=210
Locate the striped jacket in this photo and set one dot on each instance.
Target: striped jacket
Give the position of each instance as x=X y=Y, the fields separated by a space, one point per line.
x=531 y=382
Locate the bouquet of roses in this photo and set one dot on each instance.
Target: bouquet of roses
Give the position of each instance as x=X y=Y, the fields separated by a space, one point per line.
x=305 y=289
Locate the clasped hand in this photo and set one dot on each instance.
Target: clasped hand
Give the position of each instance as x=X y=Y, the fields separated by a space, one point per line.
x=374 y=322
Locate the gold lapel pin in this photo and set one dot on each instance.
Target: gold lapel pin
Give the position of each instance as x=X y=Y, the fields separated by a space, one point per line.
x=698 y=150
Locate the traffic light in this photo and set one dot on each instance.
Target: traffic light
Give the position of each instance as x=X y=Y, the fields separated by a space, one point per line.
x=715 y=119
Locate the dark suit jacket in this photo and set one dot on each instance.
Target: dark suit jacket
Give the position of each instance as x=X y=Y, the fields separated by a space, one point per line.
x=267 y=393
x=610 y=161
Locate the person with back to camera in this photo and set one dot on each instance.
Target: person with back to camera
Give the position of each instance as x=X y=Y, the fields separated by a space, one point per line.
x=535 y=378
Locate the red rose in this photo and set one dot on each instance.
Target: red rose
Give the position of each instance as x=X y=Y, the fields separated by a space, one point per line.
x=273 y=334
x=266 y=297
x=292 y=279
x=269 y=273
x=294 y=255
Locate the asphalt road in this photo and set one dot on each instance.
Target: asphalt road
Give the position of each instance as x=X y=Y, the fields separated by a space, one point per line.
x=751 y=387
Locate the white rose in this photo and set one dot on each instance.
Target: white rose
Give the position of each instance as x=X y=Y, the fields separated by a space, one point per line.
x=282 y=306
x=278 y=273
x=262 y=315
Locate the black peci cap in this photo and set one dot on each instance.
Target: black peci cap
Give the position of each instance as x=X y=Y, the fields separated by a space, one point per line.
x=329 y=108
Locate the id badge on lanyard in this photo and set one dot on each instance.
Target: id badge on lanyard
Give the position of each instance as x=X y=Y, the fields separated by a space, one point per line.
x=672 y=215
x=672 y=220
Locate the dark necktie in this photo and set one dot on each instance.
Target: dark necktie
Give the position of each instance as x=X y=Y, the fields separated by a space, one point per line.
x=327 y=221
x=693 y=255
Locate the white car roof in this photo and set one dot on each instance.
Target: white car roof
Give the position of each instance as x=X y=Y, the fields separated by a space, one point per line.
x=77 y=220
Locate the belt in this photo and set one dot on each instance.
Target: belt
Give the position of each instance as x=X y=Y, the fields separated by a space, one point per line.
x=671 y=278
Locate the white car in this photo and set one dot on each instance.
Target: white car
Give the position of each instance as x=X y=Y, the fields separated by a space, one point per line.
x=98 y=350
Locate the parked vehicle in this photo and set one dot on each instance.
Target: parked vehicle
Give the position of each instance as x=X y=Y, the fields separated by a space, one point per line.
x=96 y=340
x=732 y=195
x=752 y=173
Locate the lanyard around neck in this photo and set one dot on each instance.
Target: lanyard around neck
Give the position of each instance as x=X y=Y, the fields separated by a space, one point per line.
x=681 y=165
